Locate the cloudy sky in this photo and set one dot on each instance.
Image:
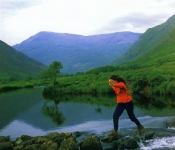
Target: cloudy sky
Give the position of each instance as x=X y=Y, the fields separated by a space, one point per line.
x=20 y=19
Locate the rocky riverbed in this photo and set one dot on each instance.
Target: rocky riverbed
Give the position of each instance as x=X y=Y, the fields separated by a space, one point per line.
x=127 y=139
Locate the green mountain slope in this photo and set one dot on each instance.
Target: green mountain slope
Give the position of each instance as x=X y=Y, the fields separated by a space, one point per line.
x=16 y=64
x=162 y=56
x=147 y=42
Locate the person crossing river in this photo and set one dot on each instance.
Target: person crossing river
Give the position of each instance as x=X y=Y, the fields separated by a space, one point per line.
x=124 y=102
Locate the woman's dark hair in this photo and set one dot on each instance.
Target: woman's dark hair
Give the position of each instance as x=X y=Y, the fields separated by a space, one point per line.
x=117 y=78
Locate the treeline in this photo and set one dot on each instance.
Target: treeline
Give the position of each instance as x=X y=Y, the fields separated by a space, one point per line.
x=112 y=69
x=147 y=81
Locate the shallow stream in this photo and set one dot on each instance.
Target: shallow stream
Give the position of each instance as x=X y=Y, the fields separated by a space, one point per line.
x=26 y=111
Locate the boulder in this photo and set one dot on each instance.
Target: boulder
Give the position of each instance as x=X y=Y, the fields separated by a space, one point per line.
x=6 y=145
x=149 y=135
x=30 y=147
x=22 y=139
x=170 y=124
x=126 y=143
x=69 y=144
x=58 y=137
x=77 y=134
x=91 y=143
x=109 y=139
x=49 y=145
x=4 y=138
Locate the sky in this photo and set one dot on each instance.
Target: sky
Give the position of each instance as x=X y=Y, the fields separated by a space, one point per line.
x=21 y=19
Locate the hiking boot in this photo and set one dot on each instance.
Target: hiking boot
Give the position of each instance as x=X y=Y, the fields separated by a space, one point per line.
x=113 y=133
x=139 y=128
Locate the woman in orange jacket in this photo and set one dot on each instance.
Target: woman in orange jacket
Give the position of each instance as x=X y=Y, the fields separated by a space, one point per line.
x=124 y=101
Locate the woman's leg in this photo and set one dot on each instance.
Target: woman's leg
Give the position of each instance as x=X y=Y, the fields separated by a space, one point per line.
x=130 y=110
x=117 y=113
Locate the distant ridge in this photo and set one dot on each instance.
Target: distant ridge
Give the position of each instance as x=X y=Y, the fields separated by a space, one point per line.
x=76 y=52
x=14 y=64
x=148 y=42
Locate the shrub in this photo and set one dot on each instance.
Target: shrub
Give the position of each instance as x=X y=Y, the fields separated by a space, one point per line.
x=171 y=88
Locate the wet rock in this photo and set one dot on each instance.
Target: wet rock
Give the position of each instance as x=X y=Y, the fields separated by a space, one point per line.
x=60 y=138
x=109 y=139
x=77 y=134
x=6 y=146
x=126 y=143
x=69 y=144
x=149 y=134
x=41 y=140
x=4 y=138
x=53 y=136
x=91 y=143
x=127 y=139
x=67 y=134
x=170 y=124
x=31 y=147
x=18 y=147
x=22 y=139
x=49 y=145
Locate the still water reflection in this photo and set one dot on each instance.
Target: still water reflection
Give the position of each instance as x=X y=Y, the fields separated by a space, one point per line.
x=26 y=111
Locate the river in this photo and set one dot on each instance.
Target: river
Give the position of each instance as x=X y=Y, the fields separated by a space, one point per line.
x=26 y=111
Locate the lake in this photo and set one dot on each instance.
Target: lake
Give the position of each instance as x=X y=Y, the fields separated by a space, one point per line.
x=26 y=111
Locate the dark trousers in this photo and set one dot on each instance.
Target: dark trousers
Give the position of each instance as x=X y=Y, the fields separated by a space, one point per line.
x=130 y=111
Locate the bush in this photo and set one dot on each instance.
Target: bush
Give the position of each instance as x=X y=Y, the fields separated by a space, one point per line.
x=171 y=88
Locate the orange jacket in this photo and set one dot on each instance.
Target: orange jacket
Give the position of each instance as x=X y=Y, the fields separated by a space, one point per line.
x=121 y=91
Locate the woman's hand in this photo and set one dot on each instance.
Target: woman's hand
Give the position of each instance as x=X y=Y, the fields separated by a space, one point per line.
x=111 y=82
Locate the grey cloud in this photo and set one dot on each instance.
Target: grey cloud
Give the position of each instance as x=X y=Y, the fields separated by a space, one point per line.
x=18 y=4
x=135 y=20
x=138 y=19
x=167 y=3
x=9 y=7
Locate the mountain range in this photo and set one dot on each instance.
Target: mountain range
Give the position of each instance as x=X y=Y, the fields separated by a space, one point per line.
x=14 y=64
x=77 y=53
x=155 y=47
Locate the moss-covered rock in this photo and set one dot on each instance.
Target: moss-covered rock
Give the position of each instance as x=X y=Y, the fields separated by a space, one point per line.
x=4 y=138
x=91 y=143
x=49 y=145
x=6 y=145
x=69 y=144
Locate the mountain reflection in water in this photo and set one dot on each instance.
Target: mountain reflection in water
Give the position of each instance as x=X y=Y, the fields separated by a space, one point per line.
x=26 y=111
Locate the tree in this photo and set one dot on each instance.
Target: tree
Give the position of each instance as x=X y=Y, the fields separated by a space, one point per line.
x=52 y=72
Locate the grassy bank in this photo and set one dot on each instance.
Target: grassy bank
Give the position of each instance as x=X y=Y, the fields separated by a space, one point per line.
x=147 y=81
x=6 y=86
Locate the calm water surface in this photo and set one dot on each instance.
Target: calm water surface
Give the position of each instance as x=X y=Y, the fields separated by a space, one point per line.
x=27 y=112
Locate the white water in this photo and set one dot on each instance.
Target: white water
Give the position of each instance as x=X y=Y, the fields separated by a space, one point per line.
x=159 y=143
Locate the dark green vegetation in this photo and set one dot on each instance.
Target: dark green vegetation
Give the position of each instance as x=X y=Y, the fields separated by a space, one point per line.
x=14 y=64
x=6 y=86
x=77 y=53
x=52 y=72
x=151 y=71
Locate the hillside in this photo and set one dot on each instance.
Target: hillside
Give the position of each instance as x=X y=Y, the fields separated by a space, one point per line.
x=163 y=56
x=76 y=52
x=16 y=64
x=148 y=41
